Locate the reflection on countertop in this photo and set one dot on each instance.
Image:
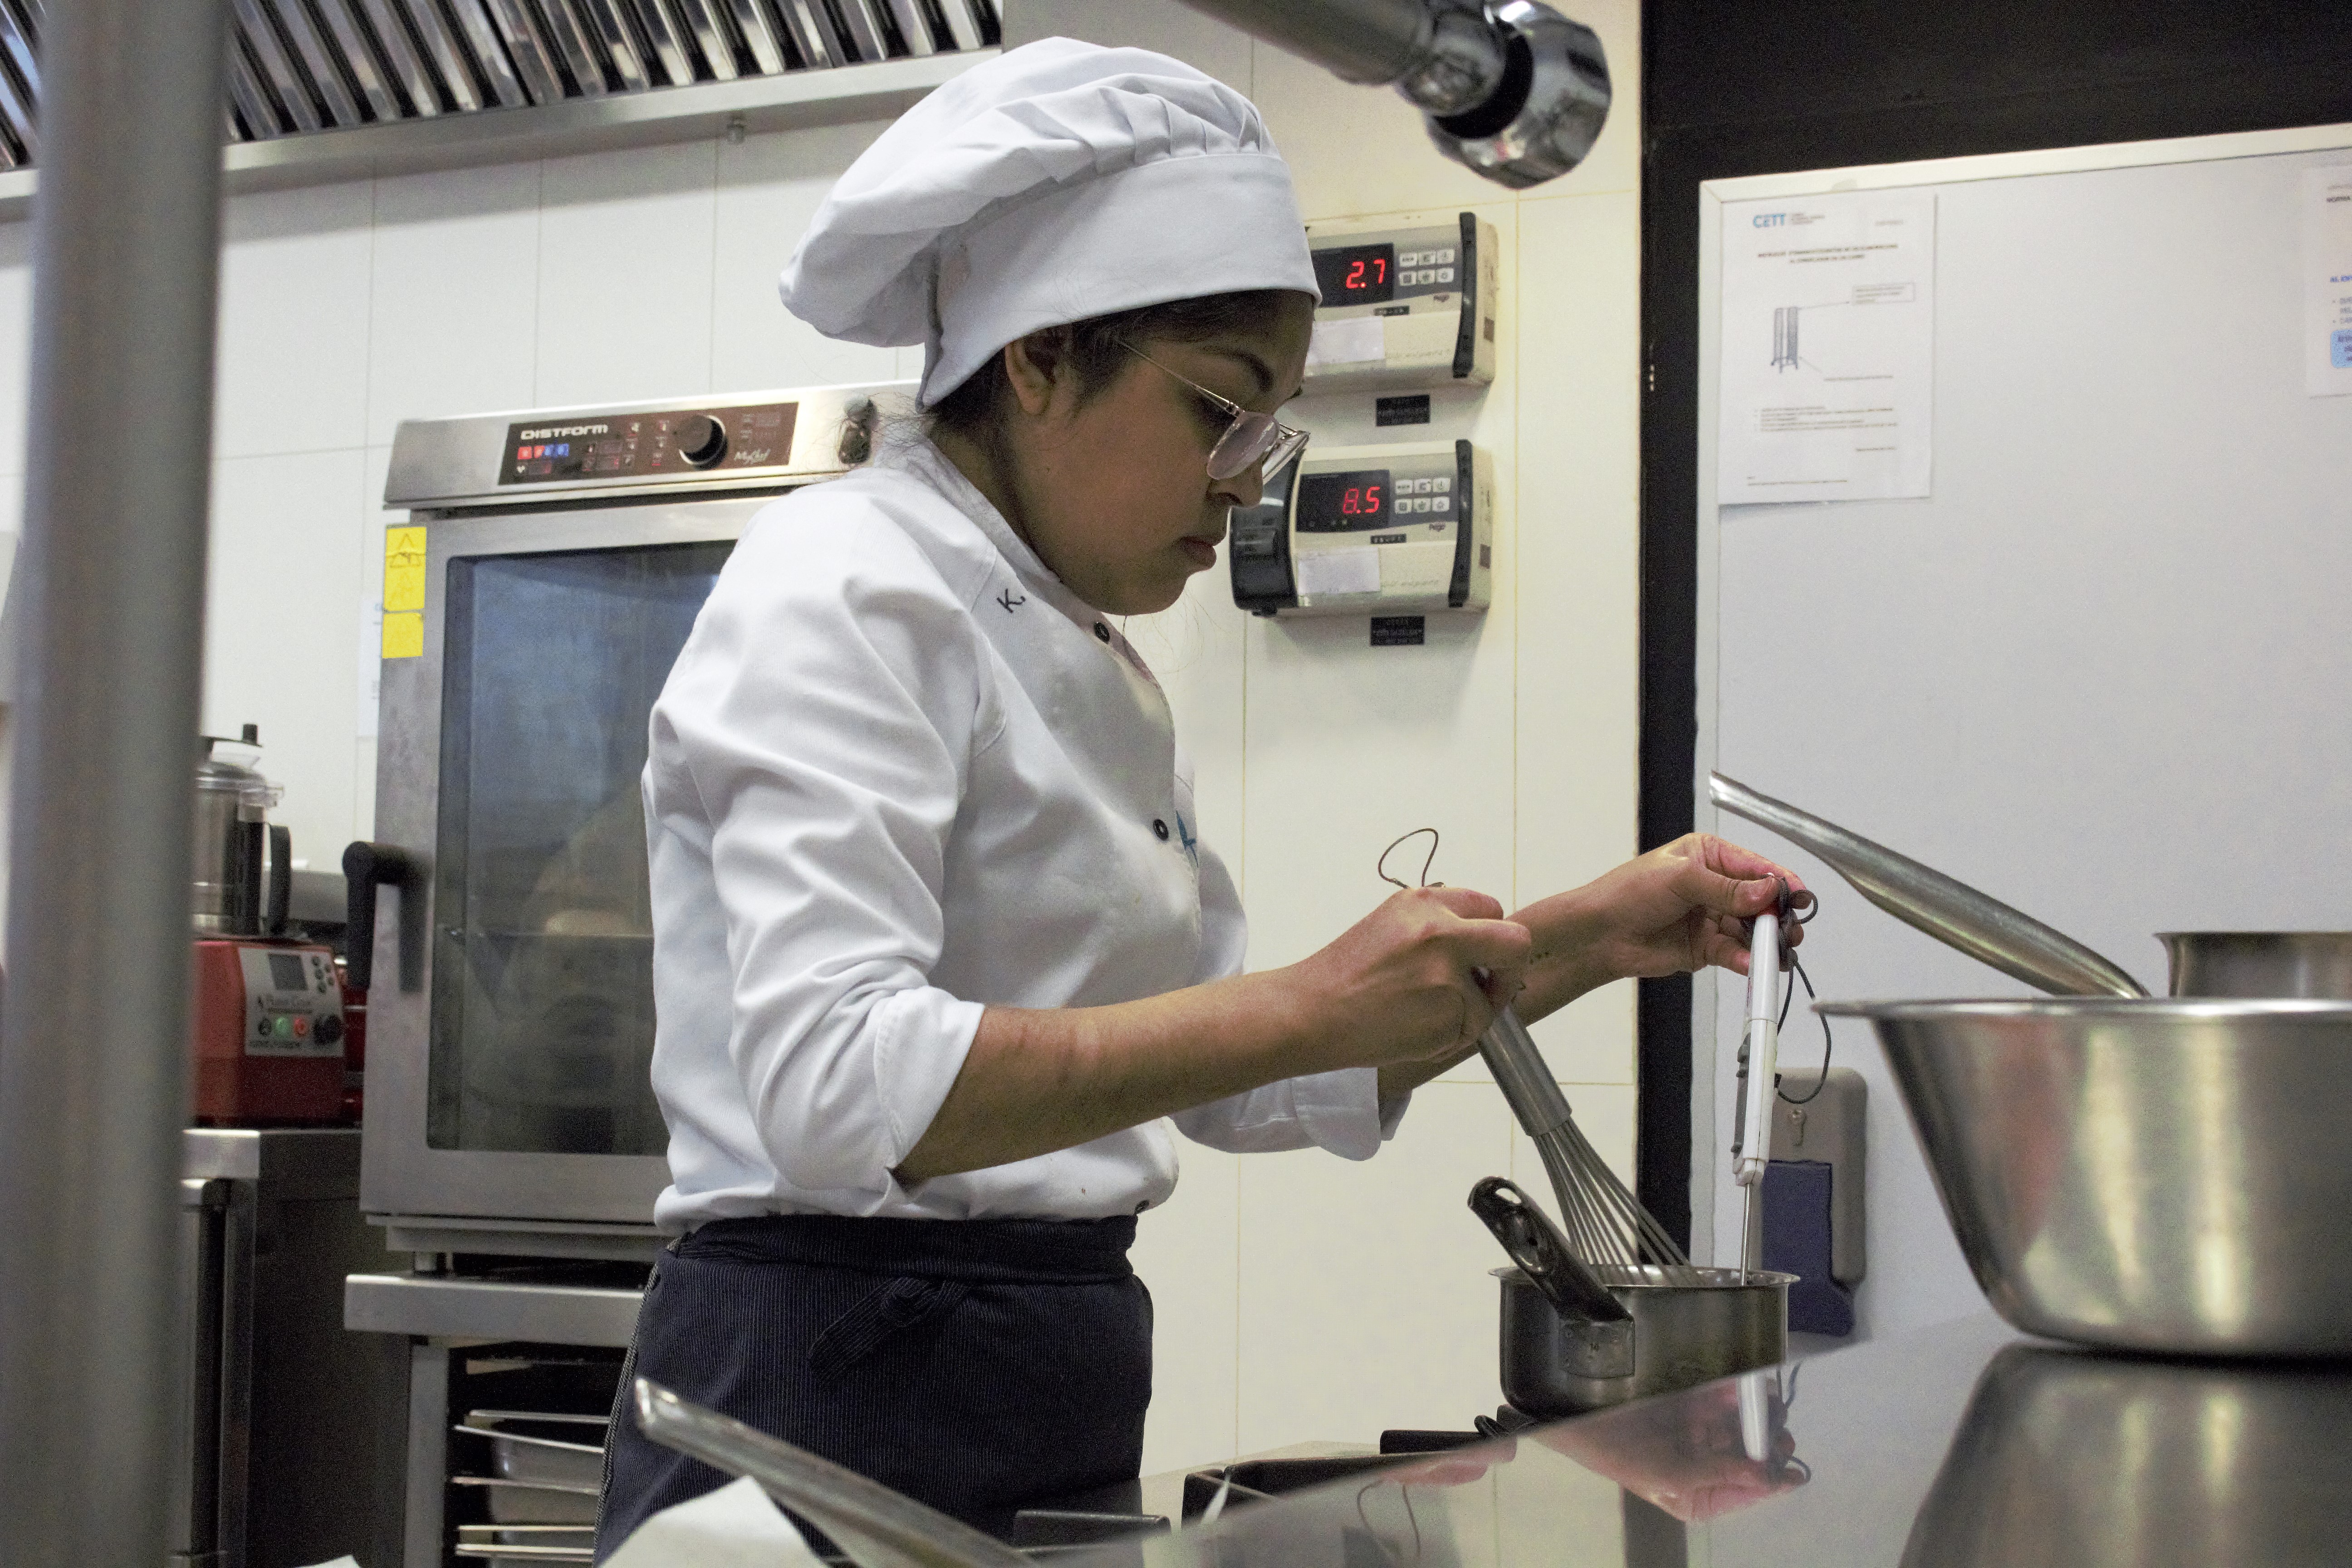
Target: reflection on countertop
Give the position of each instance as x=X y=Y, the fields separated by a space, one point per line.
x=1964 y=1444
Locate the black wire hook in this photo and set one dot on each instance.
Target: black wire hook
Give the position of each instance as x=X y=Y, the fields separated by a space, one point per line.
x=1381 y=867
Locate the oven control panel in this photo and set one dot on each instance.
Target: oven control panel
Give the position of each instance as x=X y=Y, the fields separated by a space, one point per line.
x=635 y=446
x=754 y=440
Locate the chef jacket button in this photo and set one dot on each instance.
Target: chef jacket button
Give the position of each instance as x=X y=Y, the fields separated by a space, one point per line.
x=1161 y=828
x=1102 y=632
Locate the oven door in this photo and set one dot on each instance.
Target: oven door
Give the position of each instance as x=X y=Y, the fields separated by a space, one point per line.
x=508 y=1060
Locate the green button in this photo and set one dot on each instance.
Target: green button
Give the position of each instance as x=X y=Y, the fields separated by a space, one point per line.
x=285 y=1029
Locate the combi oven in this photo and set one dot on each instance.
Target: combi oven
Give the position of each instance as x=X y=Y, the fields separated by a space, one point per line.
x=552 y=566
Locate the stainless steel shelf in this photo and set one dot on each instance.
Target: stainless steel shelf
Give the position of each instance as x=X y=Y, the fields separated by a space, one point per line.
x=447 y=1307
x=706 y=109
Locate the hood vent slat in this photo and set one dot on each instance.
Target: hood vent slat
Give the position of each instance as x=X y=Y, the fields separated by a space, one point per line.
x=421 y=96
x=317 y=62
x=296 y=67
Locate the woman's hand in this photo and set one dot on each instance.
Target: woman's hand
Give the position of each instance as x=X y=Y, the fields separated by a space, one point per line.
x=1682 y=907
x=1413 y=983
x=1408 y=989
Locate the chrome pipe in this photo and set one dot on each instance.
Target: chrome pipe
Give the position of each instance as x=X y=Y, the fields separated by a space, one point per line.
x=94 y=1045
x=1509 y=88
x=1370 y=42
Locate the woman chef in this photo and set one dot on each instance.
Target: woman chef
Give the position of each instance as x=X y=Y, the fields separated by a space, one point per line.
x=941 y=963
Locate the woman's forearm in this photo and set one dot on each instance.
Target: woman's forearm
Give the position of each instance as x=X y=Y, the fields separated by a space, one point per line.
x=1039 y=1080
x=1399 y=991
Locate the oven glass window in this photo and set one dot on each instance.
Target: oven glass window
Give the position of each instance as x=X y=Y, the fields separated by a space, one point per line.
x=543 y=1031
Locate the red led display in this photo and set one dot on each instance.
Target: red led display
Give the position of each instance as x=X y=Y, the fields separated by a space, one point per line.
x=1337 y=503
x=1356 y=274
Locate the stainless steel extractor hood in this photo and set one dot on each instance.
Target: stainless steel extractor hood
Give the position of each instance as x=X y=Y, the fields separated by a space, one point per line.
x=299 y=66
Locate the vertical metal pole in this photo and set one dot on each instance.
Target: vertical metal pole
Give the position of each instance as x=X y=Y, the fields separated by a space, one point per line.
x=93 y=1049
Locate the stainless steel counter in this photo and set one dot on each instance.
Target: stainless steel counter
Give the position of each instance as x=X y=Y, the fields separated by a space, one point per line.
x=1964 y=1444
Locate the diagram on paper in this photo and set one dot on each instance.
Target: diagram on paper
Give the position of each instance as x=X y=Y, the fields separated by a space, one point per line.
x=1827 y=352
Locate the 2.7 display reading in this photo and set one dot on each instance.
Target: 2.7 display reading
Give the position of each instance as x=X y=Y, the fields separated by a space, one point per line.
x=1356 y=274
x=1338 y=503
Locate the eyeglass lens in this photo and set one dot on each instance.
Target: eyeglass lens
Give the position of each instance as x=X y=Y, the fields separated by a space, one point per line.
x=1249 y=440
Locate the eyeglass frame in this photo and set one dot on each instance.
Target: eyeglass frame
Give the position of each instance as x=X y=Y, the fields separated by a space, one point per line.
x=1286 y=442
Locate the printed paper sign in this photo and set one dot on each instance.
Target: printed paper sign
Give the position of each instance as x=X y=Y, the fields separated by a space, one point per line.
x=1828 y=348
x=2327 y=281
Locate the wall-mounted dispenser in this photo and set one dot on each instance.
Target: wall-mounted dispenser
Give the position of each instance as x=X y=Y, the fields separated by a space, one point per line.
x=1407 y=304
x=1812 y=1212
x=1376 y=530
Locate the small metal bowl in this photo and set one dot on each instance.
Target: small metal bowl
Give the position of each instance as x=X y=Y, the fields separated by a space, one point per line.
x=2169 y=1176
x=2314 y=963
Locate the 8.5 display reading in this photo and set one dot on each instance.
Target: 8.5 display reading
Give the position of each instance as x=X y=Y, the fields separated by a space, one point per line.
x=1356 y=274
x=1338 y=503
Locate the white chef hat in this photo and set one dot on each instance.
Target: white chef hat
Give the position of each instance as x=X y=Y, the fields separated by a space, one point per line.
x=1056 y=183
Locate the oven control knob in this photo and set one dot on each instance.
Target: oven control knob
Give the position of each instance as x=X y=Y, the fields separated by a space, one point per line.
x=330 y=1030
x=701 y=440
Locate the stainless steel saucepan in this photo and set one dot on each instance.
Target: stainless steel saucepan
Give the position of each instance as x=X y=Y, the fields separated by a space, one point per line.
x=1576 y=1339
x=2311 y=963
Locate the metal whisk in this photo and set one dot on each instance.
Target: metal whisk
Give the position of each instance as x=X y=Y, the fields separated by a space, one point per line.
x=1606 y=1225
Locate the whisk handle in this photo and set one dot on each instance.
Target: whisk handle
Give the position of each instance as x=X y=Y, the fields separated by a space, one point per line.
x=1523 y=1076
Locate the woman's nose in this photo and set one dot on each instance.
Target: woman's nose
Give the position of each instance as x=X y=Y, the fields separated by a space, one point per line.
x=1244 y=488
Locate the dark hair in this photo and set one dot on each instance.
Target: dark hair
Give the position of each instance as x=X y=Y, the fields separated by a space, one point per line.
x=1093 y=351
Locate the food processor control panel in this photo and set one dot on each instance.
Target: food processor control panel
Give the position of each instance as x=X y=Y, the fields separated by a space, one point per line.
x=1370 y=530
x=293 y=1003
x=1404 y=306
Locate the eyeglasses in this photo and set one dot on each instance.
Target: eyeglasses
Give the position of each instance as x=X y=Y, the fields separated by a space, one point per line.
x=1250 y=440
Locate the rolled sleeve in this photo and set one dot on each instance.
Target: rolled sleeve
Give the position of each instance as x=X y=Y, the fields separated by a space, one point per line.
x=1341 y=1111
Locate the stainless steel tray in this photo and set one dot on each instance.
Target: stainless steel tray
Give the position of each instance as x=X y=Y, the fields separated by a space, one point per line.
x=521 y=1502
x=521 y=1455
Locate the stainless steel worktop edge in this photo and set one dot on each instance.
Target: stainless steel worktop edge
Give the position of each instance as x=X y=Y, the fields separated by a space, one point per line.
x=439 y=1307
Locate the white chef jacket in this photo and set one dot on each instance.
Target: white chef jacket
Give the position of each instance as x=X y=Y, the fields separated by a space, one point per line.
x=900 y=774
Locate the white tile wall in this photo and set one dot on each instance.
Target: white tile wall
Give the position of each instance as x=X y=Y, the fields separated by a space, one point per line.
x=626 y=260
x=16 y=341
x=1364 y=1297
x=285 y=575
x=454 y=318
x=294 y=297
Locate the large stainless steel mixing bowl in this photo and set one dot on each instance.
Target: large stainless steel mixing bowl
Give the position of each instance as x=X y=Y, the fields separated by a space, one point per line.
x=2153 y=1175
x=2071 y=1460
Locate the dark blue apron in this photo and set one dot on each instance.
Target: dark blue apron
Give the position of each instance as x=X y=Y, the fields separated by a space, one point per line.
x=978 y=1365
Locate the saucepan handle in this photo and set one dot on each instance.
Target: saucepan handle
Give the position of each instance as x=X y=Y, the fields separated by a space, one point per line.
x=1542 y=1253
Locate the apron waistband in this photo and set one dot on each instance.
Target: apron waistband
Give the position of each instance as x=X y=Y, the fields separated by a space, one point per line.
x=980 y=1251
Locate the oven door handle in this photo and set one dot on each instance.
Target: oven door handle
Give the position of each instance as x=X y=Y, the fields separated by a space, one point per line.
x=367 y=868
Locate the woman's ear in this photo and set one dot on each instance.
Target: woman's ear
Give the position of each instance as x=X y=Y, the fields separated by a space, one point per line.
x=1035 y=366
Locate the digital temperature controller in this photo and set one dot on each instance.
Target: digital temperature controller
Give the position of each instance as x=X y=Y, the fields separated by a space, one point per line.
x=1370 y=530
x=1403 y=306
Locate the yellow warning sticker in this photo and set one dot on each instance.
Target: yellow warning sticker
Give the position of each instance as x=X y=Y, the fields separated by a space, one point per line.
x=403 y=634
x=403 y=575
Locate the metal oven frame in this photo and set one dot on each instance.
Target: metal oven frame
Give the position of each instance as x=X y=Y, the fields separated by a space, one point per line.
x=459 y=1201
